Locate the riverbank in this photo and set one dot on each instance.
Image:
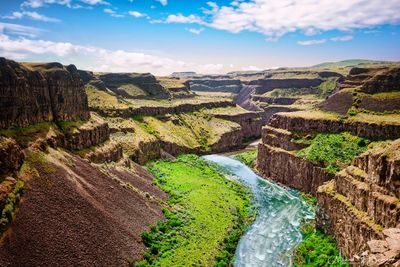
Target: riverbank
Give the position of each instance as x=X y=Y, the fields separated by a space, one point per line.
x=205 y=218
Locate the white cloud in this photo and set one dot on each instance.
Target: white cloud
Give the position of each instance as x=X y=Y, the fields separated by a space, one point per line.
x=67 y=3
x=20 y=30
x=113 y=13
x=32 y=15
x=195 y=31
x=163 y=2
x=275 y=18
x=98 y=59
x=342 y=38
x=179 y=18
x=312 y=42
x=136 y=14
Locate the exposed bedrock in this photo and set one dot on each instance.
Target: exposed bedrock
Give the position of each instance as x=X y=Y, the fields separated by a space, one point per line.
x=11 y=157
x=109 y=152
x=280 y=138
x=266 y=85
x=216 y=85
x=275 y=100
x=365 y=129
x=243 y=98
x=162 y=110
x=286 y=168
x=91 y=133
x=250 y=122
x=145 y=81
x=380 y=104
x=339 y=102
x=383 y=81
x=363 y=201
x=269 y=111
x=33 y=93
x=67 y=95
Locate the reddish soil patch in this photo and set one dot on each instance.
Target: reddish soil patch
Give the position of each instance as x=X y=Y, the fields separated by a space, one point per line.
x=79 y=216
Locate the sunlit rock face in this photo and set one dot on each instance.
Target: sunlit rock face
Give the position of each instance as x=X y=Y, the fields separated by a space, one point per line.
x=33 y=93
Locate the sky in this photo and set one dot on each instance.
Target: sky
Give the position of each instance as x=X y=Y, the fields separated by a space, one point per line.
x=164 y=36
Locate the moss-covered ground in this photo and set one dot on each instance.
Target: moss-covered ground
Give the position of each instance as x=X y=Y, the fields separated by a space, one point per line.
x=248 y=157
x=334 y=151
x=317 y=250
x=206 y=217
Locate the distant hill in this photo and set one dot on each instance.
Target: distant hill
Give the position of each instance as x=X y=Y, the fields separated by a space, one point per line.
x=348 y=63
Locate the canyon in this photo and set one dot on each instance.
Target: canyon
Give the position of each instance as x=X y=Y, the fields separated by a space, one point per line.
x=73 y=145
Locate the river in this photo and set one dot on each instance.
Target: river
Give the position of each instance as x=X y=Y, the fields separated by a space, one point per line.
x=270 y=240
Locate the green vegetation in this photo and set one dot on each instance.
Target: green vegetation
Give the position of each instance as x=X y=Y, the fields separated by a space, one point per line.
x=334 y=150
x=207 y=215
x=196 y=130
x=309 y=198
x=24 y=135
x=13 y=198
x=249 y=157
x=317 y=250
x=327 y=87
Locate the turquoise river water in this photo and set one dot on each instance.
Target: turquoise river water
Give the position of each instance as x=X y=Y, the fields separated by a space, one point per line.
x=270 y=240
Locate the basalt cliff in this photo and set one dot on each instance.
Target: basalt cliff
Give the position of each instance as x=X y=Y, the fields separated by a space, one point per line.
x=357 y=195
x=72 y=192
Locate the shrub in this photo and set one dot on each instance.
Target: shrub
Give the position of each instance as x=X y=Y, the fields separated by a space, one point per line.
x=334 y=150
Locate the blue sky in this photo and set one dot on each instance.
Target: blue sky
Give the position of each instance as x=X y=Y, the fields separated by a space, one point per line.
x=208 y=37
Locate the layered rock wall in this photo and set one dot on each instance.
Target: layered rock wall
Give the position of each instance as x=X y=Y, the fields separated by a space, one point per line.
x=34 y=93
x=286 y=168
x=325 y=125
x=266 y=85
x=363 y=200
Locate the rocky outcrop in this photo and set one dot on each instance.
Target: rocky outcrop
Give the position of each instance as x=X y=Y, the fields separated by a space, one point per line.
x=286 y=168
x=380 y=104
x=363 y=200
x=109 y=152
x=91 y=133
x=385 y=252
x=280 y=138
x=33 y=93
x=275 y=100
x=244 y=98
x=269 y=111
x=266 y=85
x=25 y=95
x=350 y=227
x=329 y=124
x=67 y=95
x=134 y=85
x=163 y=110
x=11 y=157
x=339 y=102
x=216 y=85
x=383 y=81
x=250 y=122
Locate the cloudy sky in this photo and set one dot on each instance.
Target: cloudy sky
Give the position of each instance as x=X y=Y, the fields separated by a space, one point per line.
x=162 y=36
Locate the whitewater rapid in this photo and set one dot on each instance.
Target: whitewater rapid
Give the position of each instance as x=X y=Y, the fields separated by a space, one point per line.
x=270 y=240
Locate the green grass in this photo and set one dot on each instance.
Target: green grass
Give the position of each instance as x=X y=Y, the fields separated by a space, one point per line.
x=207 y=215
x=328 y=87
x=334 y=151
x=7 y=214
x=249 y=157
x=309 y=198
x=317 y=250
